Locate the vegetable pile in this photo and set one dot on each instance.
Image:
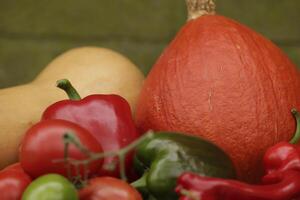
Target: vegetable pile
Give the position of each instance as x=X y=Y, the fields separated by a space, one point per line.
x=93 y=70
x=215 y=120
x=220 y=80
x=81 y=147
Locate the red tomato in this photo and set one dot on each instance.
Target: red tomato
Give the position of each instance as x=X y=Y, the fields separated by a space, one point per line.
x=43 y=146
x=16 y=166
x=108 y=188
x=13 y=182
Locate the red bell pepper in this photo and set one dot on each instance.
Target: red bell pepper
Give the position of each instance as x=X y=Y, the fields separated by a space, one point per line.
x=281 y=182
x=107 y=117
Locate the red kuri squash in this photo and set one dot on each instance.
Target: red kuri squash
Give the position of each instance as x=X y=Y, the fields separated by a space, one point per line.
x=220 y=80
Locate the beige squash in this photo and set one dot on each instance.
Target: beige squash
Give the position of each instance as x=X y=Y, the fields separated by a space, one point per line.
x=91 y=70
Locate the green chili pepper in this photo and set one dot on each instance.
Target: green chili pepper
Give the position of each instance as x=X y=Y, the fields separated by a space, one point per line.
x=164 y=157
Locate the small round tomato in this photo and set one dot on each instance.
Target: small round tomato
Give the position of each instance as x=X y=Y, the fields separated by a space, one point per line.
x=43 y=147
x=13 y=182
x=50 y=187
x=12 y=167
x=108 y=188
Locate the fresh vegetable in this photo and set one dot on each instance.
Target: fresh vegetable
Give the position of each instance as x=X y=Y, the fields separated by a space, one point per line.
x=281 y=157
x=92 y=156
x=50 y=187
x=191 y=186
x=93 y=70
x=108 y=188
x=220 y=80
x=43 y=151
x=284 y=155
x=14 y=167
x=107 y=117
x=281 y=182
x=165 y=156
x=13 y=182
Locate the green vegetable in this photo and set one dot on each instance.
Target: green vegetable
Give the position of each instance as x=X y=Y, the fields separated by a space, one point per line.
x=164 y=157
x=50 y=187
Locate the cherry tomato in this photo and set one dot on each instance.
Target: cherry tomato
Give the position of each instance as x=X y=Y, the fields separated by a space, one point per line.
x=43 y=146
x=13 y=182
x=16 y=167
x=50 y=187
x=108 y=188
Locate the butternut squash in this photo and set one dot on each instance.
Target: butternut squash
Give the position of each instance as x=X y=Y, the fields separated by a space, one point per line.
x=90 y=69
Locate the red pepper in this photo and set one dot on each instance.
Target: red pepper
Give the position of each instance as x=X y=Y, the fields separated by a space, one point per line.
x=107 y=117
x=283 y=156
x=194 y=187
x=281 y=182
x=280 y=158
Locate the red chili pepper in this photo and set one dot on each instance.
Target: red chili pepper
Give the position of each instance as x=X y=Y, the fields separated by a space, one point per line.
x=194 y=187
x=107 y=117
x=280 y=158
x=281 y=182
x=284 y=155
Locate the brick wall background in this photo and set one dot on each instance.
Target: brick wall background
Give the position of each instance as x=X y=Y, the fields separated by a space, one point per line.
x=33 y=32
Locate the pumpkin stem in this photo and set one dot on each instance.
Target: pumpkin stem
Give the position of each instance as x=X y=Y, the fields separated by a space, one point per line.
x=197 y=8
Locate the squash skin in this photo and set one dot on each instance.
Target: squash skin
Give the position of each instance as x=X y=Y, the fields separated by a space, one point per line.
x=222 y=81
x=90 y=69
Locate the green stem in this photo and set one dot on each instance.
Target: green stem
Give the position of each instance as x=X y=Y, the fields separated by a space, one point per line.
x=66 y=85
x=296 y=137
x=141 y=186
x=71 y=138
x=121 y=154
x=66 y=155
x=189 y=194
x=141 y=182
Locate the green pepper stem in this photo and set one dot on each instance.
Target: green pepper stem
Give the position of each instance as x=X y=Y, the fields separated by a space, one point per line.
x=70 y=138
x=141 y=182
x=66 y=85
x=296 y=137
x=189 y=194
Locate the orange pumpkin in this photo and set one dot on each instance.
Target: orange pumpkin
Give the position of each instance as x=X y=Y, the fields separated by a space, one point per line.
x=220 y=80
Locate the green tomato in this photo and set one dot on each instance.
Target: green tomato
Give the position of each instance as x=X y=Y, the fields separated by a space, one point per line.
x=50 y=187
